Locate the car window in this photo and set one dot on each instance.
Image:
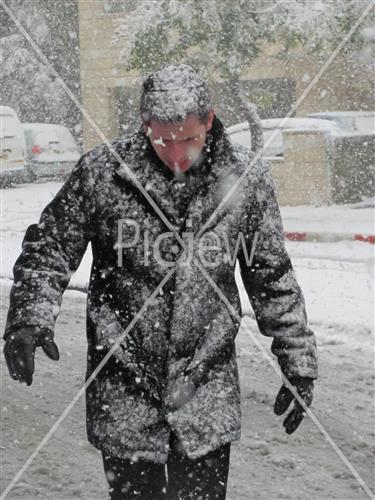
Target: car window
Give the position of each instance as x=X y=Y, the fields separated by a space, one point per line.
x=241 y=137
x=347 y=122
x=45 y=138
x=9 y=127
x=29 y=137
x=65 y=137
x=273 y=142
x=365 y=124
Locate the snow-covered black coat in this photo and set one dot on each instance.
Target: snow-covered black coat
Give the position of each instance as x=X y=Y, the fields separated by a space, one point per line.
x=186 y=327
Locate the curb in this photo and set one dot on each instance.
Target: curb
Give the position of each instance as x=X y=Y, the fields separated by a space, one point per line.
x=329 y=237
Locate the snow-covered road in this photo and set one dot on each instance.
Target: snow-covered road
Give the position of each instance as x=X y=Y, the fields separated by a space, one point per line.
x=266 y=464
x=337 y=280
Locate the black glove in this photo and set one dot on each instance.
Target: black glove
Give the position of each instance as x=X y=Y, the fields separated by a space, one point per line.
x=304 y=386
x=19 y=352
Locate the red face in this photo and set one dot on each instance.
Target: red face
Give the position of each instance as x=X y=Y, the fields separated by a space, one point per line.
x=178 y=145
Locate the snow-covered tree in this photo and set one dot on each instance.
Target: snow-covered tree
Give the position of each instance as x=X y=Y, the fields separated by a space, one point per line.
x=222 y=38
x=27 y=84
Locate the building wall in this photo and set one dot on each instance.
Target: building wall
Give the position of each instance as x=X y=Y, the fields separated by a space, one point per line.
x=318 y=169
x=303 y=175
x=352 y=168
x=100 y=71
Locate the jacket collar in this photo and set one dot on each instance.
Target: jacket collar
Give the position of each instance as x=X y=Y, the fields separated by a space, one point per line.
x=142 y=166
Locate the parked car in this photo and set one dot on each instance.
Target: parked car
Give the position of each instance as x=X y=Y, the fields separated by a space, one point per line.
x=12 y=148
x=362 y=122
x=51 y=150
x=272 y=132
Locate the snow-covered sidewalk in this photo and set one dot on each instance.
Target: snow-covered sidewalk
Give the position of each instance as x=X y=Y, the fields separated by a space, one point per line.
x=358 y=218
x=22 y=205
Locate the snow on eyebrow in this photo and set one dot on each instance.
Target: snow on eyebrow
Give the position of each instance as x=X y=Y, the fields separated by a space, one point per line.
x=159 y=141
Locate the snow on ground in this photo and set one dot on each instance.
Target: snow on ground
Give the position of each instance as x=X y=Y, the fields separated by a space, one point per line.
x=335 y=219
x=266 y=464
x=337 y=281
x=20 y=207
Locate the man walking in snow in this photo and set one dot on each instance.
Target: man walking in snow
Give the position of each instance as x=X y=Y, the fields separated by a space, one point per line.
x=169 y=393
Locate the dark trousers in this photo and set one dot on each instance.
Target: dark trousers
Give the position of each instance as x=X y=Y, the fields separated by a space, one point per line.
x=201 y=479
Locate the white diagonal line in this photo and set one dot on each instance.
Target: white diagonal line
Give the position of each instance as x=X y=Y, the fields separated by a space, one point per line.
x=302 y=97
x=85 y=385
x=286 y=382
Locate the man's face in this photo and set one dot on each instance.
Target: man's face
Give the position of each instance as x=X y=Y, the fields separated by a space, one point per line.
x=178 y=145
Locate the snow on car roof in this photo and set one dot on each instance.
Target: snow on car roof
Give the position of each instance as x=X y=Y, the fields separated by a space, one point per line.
x=49 y=132
x=289 y=123
x=43 y=127
x=7 y=111
x=343 y=113
x=298 y=123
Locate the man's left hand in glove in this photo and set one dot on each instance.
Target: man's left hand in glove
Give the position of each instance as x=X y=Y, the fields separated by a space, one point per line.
x=304 y=387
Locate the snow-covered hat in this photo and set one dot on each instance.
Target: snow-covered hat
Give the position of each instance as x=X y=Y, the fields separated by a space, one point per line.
x=172 y=93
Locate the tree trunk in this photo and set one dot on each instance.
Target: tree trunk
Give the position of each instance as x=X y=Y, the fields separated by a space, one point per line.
x=252 y=117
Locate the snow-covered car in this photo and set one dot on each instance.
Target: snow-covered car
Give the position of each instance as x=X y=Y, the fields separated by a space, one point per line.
x=362 y=122
x=12 y=148
x=51 y=150
x=272 y=132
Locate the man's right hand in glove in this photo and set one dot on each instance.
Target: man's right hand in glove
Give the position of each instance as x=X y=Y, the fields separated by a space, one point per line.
x=19 y=352
x=304 y=387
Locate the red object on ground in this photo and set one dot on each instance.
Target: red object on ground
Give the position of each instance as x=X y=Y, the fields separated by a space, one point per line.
x=367 y=239
x=295 y=236
x=329 y=237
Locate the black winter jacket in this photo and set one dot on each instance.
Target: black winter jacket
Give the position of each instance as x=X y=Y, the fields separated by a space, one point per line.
x=186 y=327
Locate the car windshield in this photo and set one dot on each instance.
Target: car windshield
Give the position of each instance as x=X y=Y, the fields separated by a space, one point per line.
x=65 y=136
x=351 y=122
x=50 y=137
x=9 y=127
x=272 y=137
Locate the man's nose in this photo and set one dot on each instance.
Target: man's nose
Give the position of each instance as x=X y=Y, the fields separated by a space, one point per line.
x=177 y=152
